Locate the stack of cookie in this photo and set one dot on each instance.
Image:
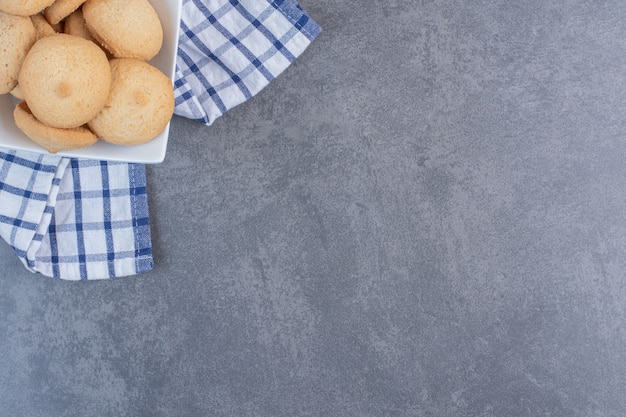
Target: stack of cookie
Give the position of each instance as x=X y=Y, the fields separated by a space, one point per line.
x=81 y=70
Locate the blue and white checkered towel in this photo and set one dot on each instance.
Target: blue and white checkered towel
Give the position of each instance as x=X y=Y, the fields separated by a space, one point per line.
x=80 y=219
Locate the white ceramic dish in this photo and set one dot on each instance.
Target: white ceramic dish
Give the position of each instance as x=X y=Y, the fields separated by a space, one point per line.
x=152 y=152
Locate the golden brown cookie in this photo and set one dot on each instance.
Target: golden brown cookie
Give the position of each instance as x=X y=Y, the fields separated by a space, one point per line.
x=42 y=27
x=60 y=9
x=65 y=80
x=17 y=35
x=139 y=107
x=24 y=7
x=52 y=139
x=126 y=28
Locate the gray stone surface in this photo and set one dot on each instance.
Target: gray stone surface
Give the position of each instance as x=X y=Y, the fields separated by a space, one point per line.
x=424 y=216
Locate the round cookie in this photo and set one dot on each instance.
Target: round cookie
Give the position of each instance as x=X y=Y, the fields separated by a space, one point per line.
x=52 y=139
x=140 y=105
x=24 y=7
x=17 y=35
x=60 y=9
x=126 y=28
x=65 y=80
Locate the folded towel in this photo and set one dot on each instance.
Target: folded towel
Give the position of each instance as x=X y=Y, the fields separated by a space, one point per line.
x=79 y=219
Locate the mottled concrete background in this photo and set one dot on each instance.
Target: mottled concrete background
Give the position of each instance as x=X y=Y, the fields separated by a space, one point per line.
x=424 y=216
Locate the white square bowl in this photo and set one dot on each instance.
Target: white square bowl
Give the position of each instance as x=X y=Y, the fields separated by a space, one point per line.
x=152 y=152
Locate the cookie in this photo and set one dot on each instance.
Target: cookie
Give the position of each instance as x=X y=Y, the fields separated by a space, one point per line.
x=65 y=80
x=52 y=139
x=60 y=9
x=17 y=35
x=24 y=7
x=42 y=27
x=140 y=105
x=126 y=28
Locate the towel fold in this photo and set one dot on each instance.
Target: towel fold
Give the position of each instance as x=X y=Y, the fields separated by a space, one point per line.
x=78 y=219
